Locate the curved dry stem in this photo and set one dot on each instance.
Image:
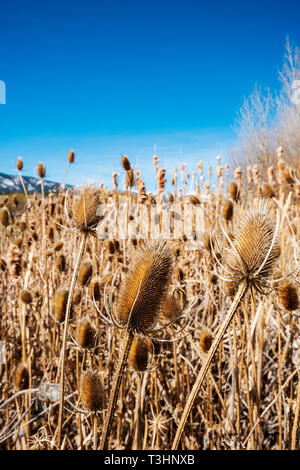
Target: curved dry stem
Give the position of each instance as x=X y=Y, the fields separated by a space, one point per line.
x=204 y=369
x=118 y=375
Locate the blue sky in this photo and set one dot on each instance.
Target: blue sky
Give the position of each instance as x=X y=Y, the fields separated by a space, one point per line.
x=111 y=77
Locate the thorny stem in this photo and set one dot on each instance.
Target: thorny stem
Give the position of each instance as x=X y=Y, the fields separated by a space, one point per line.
x=203 y=371
x=118 y=375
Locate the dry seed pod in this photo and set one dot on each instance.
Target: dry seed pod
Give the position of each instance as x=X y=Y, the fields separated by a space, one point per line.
x=206 y=341
x=85 y=273
x=145 y=286
x=41 y=170
x=233 y=190
x=60 y=305
x=194 y=200
x=4 y=216
x=71 y=156
x=15 y=200
x=228 y=210
x=139 y=353
x=50 y=233
x=85 y=334
x=125 y=163
x=92 y=391
x=19 y=164
x=94 y=290
x=255 y=247
x=288 y=297
x=76 y=297
x=110 y=247
x=170 y=308
x=25 y=296
x=21 y=377
x=86 y=210
x=61 y=263
x=213 y=278
x=267 y=190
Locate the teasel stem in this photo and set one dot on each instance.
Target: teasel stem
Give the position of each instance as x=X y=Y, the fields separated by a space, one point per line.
x=23 y=185
x=63 y=351
x=204 y=369
x=118 y=376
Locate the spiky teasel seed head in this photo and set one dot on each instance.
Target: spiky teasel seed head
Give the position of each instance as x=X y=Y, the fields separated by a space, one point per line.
x=255 y=249
x=125 y=163
x=145 y=286
x=71 y=156
x=267 y=190
x=41 y=170
x=92 y=391
x=288 y=296
x=50 y=233
x=139 y=353
x=61 y=263
x=110 y=247
x=228 y=210
x=170 y=308
x=76 y=297
x=85 y=334
x=19 y=164
x=194 y=200
x=206 y=340
x=94 y=290
x=60 y=305
x=85 y=273
x=25 y=296
x=4 y=216
x=233 y=190
x=21 y=377
x=86 y=210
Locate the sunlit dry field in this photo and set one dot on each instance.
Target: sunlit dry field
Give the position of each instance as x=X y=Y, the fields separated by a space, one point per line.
x=132 y=320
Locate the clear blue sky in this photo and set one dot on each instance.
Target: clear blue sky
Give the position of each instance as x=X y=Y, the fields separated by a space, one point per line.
x=112 y=77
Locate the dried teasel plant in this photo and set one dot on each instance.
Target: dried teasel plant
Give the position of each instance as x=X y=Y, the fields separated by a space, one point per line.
x=137 y=308
x=248 y=265
x=85 y=217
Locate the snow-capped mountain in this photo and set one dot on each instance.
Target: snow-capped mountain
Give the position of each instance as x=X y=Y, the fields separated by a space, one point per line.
x=11 y=184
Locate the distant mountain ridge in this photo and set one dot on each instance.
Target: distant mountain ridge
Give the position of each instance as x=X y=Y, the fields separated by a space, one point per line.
x=11 y=184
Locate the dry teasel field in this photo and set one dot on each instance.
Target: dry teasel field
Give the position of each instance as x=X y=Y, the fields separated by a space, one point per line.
x=183 y=334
